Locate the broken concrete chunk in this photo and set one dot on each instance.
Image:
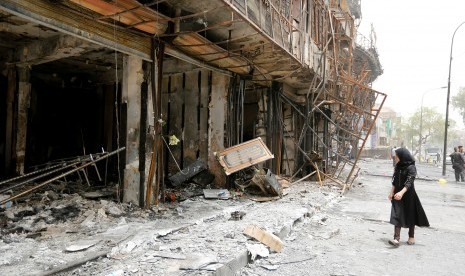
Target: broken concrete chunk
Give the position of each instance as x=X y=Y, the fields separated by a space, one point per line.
x=284 y=182
x=104 y=202
x=83 y=245
x=265 y=237
x=97 y=194
x=272 y=184
x=114 y=211
x=116 y=232
x=237 y=215
x=101 y=213
x=118 y=272
x=122 y=251
x=216 y=194
x=9 y=214
x=257 y=250
x=270 y=267
x=51 y=195
x=7 y=204
x=128 y=247
x=193 y=262
x=89 y=221
x=169 y=255
x=212 y=267
x=267 y=183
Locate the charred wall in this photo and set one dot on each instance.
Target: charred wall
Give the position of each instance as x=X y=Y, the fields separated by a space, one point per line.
x=69 y=114
x=3 y=108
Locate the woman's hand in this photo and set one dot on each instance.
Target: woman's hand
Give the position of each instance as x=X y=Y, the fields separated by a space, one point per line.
x=390 y=196
x=398 y=196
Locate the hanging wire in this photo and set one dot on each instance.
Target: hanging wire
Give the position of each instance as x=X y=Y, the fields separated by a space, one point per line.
x=116 y=106
x=172 y=155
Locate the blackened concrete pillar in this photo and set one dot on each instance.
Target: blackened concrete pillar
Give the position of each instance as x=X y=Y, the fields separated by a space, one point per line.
x=133 y=77
x=23 y=101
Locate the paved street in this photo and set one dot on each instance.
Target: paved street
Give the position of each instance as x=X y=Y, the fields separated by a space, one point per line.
x=323 y=234
x=350 y=236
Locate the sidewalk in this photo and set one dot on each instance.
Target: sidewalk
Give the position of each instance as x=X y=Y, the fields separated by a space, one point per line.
x=173 y=239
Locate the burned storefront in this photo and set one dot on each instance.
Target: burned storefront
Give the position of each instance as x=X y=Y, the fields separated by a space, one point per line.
x=139 y=97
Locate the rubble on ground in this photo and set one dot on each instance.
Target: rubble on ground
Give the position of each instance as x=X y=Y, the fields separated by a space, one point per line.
x=59 y=232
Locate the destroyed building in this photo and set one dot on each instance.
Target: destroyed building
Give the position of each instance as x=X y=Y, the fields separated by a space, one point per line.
x=151 y=87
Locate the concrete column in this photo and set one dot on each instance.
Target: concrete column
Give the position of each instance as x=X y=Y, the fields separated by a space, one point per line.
x=10 y=101
x=131 y=89
x=24 y=97
x=217 y=108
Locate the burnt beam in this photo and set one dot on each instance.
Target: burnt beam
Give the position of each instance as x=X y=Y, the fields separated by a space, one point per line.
x=55 y=48
x=62 y=19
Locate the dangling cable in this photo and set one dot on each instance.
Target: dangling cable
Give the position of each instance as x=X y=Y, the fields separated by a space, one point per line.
x=116 y=107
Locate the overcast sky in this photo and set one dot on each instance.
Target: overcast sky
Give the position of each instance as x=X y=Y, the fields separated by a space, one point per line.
x=413 y=40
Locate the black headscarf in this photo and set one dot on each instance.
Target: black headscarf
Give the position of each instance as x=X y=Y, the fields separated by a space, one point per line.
x=405 y=158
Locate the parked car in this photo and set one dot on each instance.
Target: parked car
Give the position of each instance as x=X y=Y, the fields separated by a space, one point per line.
x=433 y=155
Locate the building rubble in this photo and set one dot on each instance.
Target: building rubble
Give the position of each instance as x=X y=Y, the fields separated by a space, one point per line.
x=68 y=234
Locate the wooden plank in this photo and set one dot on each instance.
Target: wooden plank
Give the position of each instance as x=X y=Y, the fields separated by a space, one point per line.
x=265 y=237
x=175 y=121
x=203 y=122
x=191 y=124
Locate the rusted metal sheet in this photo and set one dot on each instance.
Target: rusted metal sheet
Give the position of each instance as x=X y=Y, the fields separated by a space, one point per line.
x=211 y=53
x=244 y=155
x=129 y=12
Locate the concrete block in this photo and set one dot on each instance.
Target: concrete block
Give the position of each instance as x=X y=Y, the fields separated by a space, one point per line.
x=230 y=268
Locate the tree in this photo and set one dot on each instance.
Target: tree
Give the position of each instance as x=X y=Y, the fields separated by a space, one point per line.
x=432 y=132
x=458 y=102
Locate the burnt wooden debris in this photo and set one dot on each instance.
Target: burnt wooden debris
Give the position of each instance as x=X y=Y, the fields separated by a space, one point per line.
x=188 y=172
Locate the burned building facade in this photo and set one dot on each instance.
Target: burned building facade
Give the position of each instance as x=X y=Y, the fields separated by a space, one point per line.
x=150 y=87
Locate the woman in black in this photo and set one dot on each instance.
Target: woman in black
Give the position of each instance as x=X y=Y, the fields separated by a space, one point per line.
x=406 y=208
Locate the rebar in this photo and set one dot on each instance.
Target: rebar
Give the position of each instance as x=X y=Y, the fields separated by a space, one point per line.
x=61 y=176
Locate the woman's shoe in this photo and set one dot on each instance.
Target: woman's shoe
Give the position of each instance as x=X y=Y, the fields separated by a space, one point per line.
x=411 y=241
x=394 y=242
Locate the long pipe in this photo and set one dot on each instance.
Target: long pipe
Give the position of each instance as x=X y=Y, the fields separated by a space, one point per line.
x=29 y=174
x=61 y=176
x=56 y=163
x=39 y=176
